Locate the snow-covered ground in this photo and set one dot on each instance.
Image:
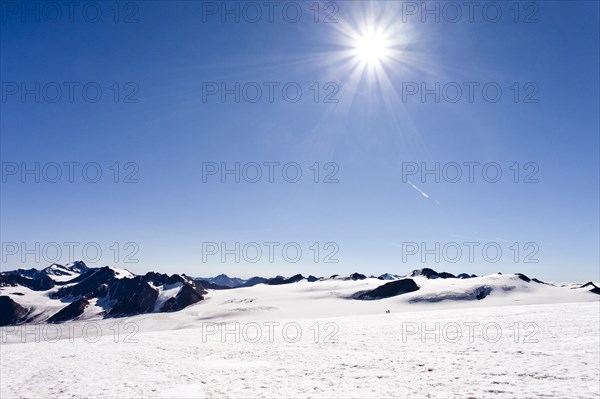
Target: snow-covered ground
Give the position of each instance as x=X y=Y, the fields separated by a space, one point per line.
x=311 y=340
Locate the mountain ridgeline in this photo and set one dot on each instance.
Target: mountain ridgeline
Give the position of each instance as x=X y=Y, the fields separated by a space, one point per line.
x=75 y=291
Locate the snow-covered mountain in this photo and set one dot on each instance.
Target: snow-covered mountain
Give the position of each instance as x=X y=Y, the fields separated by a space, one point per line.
x=50 y=296
x=64 y=273
x=56 y=272
x=34 y=296
x=389 y=276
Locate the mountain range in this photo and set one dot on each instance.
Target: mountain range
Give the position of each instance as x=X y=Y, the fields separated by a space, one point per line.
x=60 y=293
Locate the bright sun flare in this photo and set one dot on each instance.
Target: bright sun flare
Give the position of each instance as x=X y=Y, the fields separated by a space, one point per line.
x=371 y=48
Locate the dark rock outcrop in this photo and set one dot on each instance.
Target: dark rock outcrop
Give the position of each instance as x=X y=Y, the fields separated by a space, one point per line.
x=224 y=280
x=69 y=312
x=279 y=280
x=541 y=282
x=527 y=279
x=254 y=281
x=390 y=289
x=132 y=296
x=42 y=283
x=207 y=284
x=295 y=279
x=29 y=273
x=11 y=312
x=482 y=292
x=90 y=284
x=477 y=293
x=592 y=286
x=186 y=296
x=430 y=273
x=356 y=276
x=276 y=280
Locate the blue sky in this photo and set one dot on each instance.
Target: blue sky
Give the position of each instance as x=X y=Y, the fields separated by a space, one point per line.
x=161 y=130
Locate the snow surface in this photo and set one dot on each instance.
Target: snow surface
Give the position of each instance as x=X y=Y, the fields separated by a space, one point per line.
x=360 y=350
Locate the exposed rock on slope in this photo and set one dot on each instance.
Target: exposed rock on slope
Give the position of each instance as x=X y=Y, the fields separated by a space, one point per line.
x=186 y=296
x=430 y=273
x=477 y=293
x=91 y=284
x=282 y=280
x=42 y=283
x=212 y=286
x=593 y=287
x=70 y=312
x=11 y=312
x=390 y=289
x=356 y=276
x=223 y=280
x=131 y=296
x=254 y=281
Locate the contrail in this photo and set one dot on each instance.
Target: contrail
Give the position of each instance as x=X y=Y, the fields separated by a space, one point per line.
x=418 y=189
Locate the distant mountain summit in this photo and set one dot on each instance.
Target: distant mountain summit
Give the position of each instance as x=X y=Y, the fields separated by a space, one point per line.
x=67 y=270
x=55 y=272
x=389 y=276
x=430 y=273
x=223 y=280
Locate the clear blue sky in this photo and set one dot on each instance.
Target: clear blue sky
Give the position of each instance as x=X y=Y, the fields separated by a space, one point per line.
x=175 y=48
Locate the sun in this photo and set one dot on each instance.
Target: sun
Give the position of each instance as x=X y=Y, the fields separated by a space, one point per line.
x=371 y=48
